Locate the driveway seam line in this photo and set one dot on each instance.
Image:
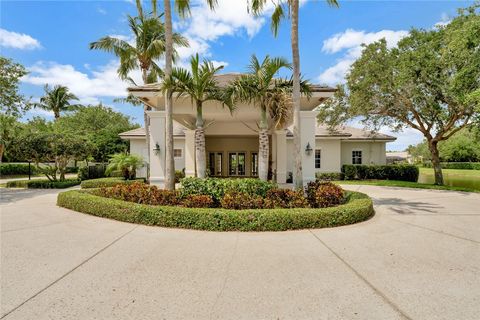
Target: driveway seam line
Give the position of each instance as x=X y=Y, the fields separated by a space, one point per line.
x=69 y=272
x=32 y=227
x=436 y=231
x=368 y=283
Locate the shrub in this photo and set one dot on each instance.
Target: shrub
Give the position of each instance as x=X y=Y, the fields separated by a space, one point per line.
x=357 y=208
x=7 y=169
x=324 y=194
x=197 y=201
x=241 y=200
x=218 y=187
x=92 y=172
x=106 y=182
x=456 y=165
x=329 y=176
x=140 y=193
x=285 y=198
x=179 y=175
x=386 y=172
x=71 y=170
x=43 y=184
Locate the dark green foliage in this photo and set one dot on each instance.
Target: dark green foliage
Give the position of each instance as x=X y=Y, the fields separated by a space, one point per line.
x=329 y=176
x=358 y=207
x=179 y=175
x=324 y=194
x=16 y=168
x=92 y=172
x=11 y=101
x=285 y=198
x=43 y=184
x=456 y=165
x=106 y=182
x=388 y=172
x=217 y=187
x=241 y=201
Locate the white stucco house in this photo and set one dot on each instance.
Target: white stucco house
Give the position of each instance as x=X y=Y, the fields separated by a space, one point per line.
x=232 y=142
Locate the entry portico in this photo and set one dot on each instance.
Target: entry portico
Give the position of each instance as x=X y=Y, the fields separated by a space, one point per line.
x=232 y=138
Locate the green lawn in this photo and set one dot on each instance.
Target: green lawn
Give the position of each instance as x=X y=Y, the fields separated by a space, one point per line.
x=457 y=172
x=405 y=184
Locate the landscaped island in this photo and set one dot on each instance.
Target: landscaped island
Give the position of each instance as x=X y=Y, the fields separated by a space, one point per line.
x=224 y=205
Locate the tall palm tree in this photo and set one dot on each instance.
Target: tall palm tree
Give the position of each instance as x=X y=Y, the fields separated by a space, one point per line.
x=260 y=87
x=58 y=99
x=149 y=45
x=201 y=86
x=183 y=9
x=290 y=6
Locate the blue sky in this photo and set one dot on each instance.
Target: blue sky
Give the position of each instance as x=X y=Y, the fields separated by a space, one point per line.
x=51 y=39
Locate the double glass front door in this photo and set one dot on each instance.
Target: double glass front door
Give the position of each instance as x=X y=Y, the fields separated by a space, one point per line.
x=236 y=163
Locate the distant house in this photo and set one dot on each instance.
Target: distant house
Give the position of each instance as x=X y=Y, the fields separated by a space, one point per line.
x=399 y=156
x=232 y=142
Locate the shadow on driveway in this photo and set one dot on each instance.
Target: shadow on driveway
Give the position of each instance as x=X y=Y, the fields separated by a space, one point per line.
x=402 y=206
x=8 y=195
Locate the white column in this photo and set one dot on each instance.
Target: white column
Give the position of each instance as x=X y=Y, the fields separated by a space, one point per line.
x=190 y=153
x=281 y=150
x=157 y=137
x=308 y=121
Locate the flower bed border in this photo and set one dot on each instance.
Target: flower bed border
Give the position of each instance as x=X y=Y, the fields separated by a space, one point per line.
x=357 y=208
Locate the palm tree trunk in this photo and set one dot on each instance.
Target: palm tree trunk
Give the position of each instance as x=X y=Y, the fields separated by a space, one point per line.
x=169 y=162
x=437 y=167
x=263 y=146
x=298 y=176
x=146 y=120
x=200 y=153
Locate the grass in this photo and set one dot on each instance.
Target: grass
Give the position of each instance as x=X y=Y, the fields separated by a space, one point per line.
x=404 y=184
x=456 y=172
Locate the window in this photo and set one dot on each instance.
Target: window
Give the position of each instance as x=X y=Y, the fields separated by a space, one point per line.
x=215 y=163
x=254 y=165
x=236 y=163
x=356 y=157
x=177 y=153
x=318 y=158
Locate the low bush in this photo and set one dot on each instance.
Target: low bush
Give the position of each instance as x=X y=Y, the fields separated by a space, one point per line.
x=7 y=169
x=387 y=172
x=218 y=187
x=43 y=184
x=324 y=194
x=241 y=201
x=106 y=182
x=197 y=201
x=358 y=207
x=329 y=176
x=285 y=198
x=140 y=193
x=92 y=172
x=456 y=165
x=179 y=175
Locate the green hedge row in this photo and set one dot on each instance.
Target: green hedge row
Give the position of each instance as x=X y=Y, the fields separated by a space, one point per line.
x=43 y=184
x=357 y=208
x=106 y=182
x=7 y=169
x=387 y=172
x=456 y=165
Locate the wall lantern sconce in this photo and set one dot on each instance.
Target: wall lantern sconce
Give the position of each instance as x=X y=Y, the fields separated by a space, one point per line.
x=156 y=149
x=308 y=149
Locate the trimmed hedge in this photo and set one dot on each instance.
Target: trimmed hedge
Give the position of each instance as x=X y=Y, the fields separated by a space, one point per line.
x=106 y=182
x=388 y=172
x=43 y=184
x=329 y=176
x=7 y=169
x=358 y=207
x=456 y=165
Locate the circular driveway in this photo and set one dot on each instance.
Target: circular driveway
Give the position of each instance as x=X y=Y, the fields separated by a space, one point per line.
x=418 y=258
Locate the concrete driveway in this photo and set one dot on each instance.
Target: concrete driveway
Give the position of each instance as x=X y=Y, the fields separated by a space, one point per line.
x=418 y=258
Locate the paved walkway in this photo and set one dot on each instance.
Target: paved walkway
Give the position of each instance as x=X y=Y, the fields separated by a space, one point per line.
x=418 y=258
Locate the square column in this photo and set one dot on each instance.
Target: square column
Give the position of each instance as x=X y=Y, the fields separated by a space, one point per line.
x=308 y=120
x=157 y=157
x=281 y=153
x=190 y=153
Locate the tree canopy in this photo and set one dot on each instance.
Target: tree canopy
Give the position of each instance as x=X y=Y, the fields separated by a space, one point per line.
x=11 y=101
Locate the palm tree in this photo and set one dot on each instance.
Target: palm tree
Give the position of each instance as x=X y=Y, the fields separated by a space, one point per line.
x=200 y=84
x=149 y=45
x=183 y=9
x=58 y=99
x=257 y=7
x=260 y=87
x=127 y=164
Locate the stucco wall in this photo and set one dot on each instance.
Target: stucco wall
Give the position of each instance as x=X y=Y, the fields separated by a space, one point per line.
x=372 y=152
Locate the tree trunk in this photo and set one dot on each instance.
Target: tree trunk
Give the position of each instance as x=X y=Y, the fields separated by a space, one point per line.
x=2 y=150
x=437 y=168
x=146 y=121
x=263 y=146
x=56 y=114
x=169 y=163
x=298 y=175
x=200 y=153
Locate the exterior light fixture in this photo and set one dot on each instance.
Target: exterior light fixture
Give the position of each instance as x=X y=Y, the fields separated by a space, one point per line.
x=308 y=149
x=156 y=149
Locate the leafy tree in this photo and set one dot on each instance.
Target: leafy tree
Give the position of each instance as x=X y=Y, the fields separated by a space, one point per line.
x=428 y=82
x=149 y=45
x=126 y=163
x=11 y=102
x=8 y=129
x=100 y=125
x=463 y=146
x=201 y=86
x=292 y=7
x=58 y=99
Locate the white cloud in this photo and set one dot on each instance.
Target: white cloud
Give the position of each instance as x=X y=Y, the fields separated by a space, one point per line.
x=89 y=87
x=101 y=11
x=10 y=39
x=350 y=43
x=444 y=20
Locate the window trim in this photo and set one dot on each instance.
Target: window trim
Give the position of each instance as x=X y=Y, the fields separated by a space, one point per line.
x=315 y=159
x=181 y=153
x=361 y=156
